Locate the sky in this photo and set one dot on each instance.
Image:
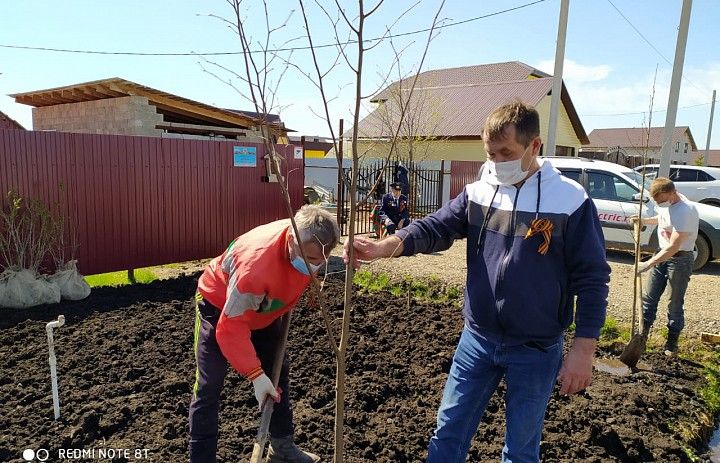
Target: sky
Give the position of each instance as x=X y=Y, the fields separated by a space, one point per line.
x=612 y=52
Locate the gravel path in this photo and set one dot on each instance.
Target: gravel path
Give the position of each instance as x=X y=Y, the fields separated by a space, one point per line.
x=702 y=300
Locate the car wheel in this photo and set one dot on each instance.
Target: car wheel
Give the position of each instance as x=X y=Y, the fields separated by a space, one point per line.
x=701 y=252
x=711 y=202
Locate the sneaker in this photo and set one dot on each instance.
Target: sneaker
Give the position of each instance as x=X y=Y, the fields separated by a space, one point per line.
x=284 y=450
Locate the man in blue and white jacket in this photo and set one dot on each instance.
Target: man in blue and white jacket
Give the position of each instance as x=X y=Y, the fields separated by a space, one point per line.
x=536 y=263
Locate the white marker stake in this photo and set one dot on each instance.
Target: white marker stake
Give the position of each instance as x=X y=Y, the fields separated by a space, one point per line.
x=53 y=362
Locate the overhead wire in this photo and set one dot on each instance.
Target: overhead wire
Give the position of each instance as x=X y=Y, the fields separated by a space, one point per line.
x=277 y=50
x=645 y=39
x=642 y=112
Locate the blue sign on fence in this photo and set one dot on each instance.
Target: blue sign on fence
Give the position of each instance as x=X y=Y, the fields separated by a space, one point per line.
x=244 y=156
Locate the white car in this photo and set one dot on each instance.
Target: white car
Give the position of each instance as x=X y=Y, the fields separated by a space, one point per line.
x=697 y=183
x=615 y=190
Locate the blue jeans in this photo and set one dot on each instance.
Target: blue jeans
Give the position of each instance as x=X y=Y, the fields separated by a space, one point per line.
x=676 y=271
x=478 y=366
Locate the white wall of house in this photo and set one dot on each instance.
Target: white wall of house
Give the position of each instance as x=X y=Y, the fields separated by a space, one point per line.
x=565 y=135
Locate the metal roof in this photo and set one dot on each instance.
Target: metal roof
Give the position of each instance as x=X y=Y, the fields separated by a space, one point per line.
x=458 y=110
x=7 y=122
x=636 y=137
x=466 y=75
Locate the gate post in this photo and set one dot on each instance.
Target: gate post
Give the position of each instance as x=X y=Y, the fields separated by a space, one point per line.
x=441 y=184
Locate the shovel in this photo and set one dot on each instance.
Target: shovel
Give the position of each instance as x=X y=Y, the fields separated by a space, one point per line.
x=636 y=346
x=267 y=408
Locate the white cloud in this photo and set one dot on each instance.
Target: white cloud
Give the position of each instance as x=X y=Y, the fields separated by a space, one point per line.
x=623 y=100
x=576 y=72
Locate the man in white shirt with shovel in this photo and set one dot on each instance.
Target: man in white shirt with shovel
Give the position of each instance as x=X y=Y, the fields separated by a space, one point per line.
x=678 y=223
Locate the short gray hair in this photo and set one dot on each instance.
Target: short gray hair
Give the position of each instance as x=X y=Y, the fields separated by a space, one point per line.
x=316 y=225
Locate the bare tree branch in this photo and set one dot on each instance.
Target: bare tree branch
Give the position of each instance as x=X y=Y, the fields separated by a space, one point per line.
x=347 y=21
x=373 y=10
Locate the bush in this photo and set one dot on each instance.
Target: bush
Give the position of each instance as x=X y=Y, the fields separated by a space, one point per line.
x=29 y=233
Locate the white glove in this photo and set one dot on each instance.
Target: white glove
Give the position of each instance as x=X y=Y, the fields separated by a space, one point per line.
x=263 y=388
x=644 y=267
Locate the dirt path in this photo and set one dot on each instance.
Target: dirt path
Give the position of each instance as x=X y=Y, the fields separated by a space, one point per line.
x=702 y=302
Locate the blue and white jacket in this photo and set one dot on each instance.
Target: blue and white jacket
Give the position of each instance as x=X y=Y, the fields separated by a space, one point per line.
x=514 y=294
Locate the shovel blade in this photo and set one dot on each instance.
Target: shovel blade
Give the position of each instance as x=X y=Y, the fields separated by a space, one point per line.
x=633 y=351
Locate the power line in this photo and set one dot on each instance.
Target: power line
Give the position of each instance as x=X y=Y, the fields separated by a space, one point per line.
x=277 y=50
x=642 y=112
x=651 y=45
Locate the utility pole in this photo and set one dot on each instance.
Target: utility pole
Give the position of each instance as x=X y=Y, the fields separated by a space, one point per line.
x=664 y=169
x=707 y=145
x=557 y=77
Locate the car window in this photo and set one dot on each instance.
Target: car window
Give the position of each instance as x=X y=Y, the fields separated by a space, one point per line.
x=704 y=177
x=571 y=174
x=609 y=187
x=684 y=175
x=648 y=170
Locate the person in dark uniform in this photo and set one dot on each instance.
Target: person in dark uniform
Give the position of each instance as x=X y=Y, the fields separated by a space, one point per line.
x=400 y=176
x=394 y=209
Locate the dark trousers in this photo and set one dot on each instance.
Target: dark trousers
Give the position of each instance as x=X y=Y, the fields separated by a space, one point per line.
x=210 y=374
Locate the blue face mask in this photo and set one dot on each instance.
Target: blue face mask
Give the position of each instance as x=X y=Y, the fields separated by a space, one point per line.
x=300 y=266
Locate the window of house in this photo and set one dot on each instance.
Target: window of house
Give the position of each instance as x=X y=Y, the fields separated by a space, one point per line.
x=677 y=146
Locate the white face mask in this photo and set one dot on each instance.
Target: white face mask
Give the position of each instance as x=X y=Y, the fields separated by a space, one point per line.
x=508 y=172
x=664 y=204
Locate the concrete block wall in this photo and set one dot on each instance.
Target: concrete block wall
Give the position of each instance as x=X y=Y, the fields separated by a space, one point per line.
x=129 y=115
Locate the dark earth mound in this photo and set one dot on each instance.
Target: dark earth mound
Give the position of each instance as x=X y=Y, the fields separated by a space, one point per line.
x=126 y=367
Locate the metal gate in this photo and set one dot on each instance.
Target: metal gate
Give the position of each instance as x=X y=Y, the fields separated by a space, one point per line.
x=423 y=187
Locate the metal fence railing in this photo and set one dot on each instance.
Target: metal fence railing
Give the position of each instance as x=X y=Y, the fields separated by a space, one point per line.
x=423 y=187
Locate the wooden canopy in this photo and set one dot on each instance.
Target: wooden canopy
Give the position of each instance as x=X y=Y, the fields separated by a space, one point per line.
x=177 y=107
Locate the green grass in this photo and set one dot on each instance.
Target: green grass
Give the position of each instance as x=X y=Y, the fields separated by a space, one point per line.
x=119 y=278
x=611 y=330
x=429 y=289
x=711 y=392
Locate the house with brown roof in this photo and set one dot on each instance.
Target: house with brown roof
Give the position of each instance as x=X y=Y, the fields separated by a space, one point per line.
x=628 y=146
x=6 y=122
x=121 y=107
x=698 y=158
x=446 y=109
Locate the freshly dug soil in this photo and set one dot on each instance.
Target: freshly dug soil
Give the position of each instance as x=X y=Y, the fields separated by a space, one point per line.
x=126 y=368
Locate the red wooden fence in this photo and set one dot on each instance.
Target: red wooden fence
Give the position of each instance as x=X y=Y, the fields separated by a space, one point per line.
x=462 y=173
x=141 y=201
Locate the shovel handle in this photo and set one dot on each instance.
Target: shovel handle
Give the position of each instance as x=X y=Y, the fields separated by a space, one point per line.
x=267 y=409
